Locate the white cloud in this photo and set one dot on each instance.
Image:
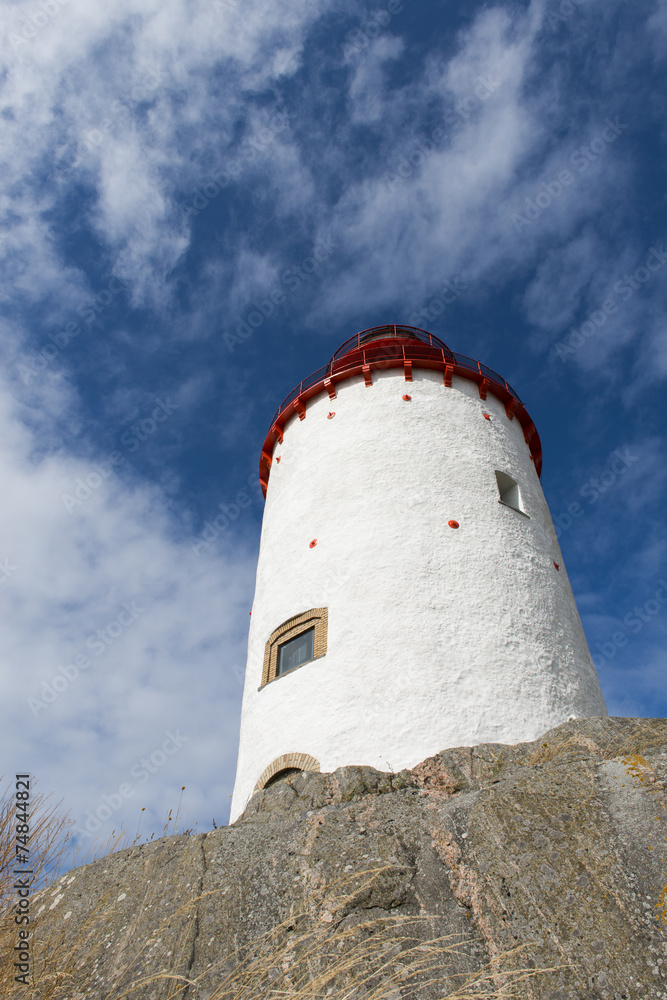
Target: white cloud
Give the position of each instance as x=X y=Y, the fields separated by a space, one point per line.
x=125 y=110
x=368 y=88
x=435 y=211
x=133 y=99
x=96 y=567
x=657 y=28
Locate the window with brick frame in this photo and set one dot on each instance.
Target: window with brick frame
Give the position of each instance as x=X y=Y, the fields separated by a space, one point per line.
x=299 y=640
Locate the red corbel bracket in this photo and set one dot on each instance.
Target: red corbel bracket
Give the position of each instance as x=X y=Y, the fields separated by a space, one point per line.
x=278 y=431
x=264 y=483
x=510 y=407
x=300 y=409
x=267 y=458
x=407 y=367
x=447 y=375
x=330 y=387
x=483 y=387
x=366 y=369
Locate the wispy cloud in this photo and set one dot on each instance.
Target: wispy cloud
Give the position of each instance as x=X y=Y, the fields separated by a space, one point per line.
x=178 y=175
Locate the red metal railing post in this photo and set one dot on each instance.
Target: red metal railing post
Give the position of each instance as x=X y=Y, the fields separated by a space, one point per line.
x=345 y=363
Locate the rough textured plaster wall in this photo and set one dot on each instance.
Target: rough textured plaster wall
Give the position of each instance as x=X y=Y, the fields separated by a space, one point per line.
x=437 y=636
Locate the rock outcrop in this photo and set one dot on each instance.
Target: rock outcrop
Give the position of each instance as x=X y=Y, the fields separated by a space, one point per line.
x=536 y=871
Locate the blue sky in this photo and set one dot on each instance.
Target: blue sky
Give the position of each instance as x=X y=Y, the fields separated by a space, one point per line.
x=493 y=173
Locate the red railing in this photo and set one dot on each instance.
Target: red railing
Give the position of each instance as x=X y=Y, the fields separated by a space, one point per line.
x=388 y=332
x=392 y=347
x=360 y=342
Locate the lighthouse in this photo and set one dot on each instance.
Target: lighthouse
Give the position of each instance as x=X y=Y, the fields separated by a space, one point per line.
x=411 y=594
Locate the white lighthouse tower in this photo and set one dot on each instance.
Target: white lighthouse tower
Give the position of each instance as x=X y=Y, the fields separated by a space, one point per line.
x=411 y=594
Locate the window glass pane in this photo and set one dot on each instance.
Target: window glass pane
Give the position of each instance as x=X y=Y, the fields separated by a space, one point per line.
x=296 y=651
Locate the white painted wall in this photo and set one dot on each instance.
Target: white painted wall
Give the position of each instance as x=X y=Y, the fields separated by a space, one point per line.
x=438 y=637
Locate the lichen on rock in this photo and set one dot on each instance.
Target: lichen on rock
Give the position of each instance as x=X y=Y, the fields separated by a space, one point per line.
x=540 y=867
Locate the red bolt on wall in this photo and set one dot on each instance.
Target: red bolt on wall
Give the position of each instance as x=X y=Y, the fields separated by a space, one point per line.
x=313 y=544
x=406 y=398
x=453 y=524
x=279 y=457
x=331 y=415
x=486 y=416
x=557 y=566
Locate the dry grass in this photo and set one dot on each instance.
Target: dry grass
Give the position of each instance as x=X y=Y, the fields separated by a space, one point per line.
x=49 y=850
x=324 y=952
x=641 y=736
x=304 y=957
x=49 y=847
x=52 y=850
x=321 y=953
x=380 y=959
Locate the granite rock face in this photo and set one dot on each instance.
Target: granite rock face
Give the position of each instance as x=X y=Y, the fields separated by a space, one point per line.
x=541 y=867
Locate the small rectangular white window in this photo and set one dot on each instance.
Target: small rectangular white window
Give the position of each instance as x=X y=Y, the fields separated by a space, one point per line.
x=509 y=491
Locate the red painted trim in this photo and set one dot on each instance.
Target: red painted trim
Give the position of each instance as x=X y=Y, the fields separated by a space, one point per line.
x=484 y=387
x=391 y=347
